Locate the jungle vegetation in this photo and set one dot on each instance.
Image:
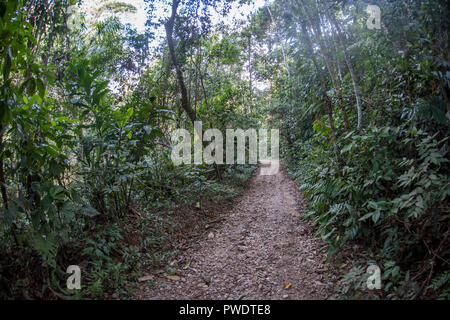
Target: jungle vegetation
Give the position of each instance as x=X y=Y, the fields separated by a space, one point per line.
x=87 y=109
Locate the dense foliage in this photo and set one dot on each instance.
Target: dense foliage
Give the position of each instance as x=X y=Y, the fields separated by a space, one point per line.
x=87 y=108
x=365 y=116
x=86 y=114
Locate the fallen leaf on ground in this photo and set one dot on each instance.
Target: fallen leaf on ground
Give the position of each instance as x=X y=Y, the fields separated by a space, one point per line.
x=287 y=285
x=145 y=278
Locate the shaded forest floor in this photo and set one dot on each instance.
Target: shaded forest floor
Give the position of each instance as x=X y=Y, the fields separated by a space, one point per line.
x=260 y=249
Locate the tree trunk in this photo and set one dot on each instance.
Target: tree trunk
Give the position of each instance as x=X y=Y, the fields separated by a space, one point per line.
x=3 y=187
x=353 y=75
x=185 y=103
x=2 y=174
x=323 y=85
x=323 y=49
x=250 y=69
x=281 y=43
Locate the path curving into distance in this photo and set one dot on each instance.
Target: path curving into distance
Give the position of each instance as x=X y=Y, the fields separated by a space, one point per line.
x=261 y=250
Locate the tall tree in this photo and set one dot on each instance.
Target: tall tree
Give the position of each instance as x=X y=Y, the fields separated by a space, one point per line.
x=169 y=25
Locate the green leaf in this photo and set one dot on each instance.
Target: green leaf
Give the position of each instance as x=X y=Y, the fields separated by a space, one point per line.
x=47 y=246
x=347 y=148
x=366 y=216
x=325 y=237
x=41 y=87
x=30 y=85
x=57 y=193
x=50 y=76
x=7 y=64
x=128 y=114
x=87 y=210
x=10 y=213
x=376 y=216
x=5 y=114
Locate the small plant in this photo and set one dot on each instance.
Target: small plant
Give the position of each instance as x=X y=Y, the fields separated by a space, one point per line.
x=105 y=274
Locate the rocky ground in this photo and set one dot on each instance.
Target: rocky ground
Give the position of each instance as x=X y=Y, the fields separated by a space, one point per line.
x=260 y=250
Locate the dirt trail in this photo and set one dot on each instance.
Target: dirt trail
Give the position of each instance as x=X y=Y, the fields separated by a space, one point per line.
x=258 y=249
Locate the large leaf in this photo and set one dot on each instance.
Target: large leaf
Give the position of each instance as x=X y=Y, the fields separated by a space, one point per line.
x=5 y=113
x=47 y=246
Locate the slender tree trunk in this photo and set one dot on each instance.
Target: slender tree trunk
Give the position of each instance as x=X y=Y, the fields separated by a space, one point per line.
x=2 y=174
x=3 y=187
x=281 y=43
x=349 y=63
x=326 y=57
x=323 y=82
x=323 y=85
x=185 y=103
x=337 y=85
x=250 y=69
x=205 y=97
x=337 y=80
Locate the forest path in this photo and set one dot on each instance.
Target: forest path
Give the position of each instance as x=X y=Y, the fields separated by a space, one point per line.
x=260 y=251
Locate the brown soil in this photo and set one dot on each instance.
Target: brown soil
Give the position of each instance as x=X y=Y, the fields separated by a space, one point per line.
x=260 y=250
